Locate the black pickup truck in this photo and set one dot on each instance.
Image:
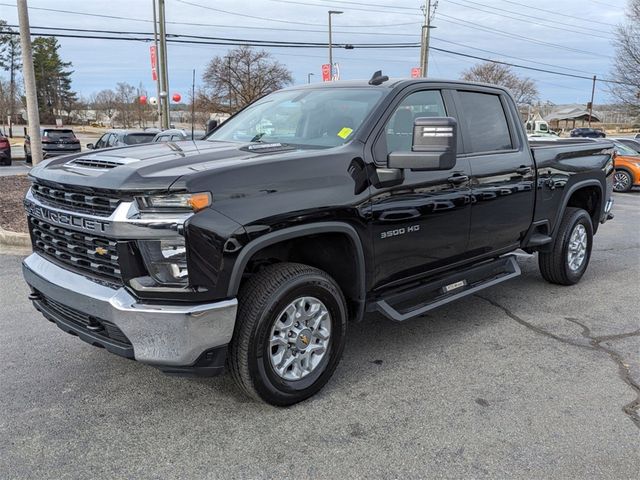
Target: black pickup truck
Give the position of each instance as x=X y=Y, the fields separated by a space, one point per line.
x=253 y=248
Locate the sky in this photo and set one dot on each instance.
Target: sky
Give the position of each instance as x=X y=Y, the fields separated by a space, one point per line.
x=570 y=36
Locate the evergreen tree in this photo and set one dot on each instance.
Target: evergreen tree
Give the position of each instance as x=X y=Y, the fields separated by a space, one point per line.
x=53 y=80
x=10 y=61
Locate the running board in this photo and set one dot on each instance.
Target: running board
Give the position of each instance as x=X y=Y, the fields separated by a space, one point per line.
x=398 y=306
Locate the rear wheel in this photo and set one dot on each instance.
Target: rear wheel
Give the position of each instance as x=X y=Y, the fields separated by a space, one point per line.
x=27 y=156
x=622 y=181
x=290 y=333
x=571 y=249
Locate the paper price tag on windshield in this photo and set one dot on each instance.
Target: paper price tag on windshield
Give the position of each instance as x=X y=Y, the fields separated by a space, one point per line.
x=345 y=132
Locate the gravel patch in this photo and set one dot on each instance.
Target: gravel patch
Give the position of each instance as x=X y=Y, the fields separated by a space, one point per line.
x=12 y=192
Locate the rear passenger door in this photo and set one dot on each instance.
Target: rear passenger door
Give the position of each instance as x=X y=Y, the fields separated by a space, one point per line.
x=502 y=173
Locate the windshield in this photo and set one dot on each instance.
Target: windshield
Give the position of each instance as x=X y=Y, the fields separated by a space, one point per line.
x=325 y=117
x=622 y=149
x=137 y=138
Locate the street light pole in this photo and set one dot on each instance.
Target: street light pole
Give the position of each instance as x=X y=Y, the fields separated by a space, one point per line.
x=164 y=93
x=309 y=77
x=331 y=12
x=158 y=69
x=29 y=77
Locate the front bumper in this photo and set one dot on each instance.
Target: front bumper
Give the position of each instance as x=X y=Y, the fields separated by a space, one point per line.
x=175 y=338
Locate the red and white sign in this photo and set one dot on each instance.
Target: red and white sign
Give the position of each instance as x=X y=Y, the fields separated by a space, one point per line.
x=415 y=72
x=326 y=72
x=154 y=63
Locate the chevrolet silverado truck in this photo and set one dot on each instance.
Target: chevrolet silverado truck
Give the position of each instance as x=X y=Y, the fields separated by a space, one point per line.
x=252 y=249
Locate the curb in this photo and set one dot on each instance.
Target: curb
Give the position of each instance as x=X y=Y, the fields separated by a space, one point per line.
x=14 y=239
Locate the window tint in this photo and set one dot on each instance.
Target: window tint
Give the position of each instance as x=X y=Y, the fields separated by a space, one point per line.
x=399 y=130
x=487 y=126
x=103 y=141
x=163 y=138
x=111 y=140
x=176 y=138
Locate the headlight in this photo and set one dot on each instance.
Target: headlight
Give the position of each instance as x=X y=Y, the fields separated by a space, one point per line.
x=180 y=201
x=166 y=260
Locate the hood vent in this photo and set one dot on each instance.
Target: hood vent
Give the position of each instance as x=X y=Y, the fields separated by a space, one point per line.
x=101 y=161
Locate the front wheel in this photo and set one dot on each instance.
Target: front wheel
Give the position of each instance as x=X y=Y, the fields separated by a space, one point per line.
x=290 y=333
x=622 y=181
x=569 y=257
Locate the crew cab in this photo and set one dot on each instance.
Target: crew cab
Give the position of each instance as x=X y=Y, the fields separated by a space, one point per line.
x=253 y=249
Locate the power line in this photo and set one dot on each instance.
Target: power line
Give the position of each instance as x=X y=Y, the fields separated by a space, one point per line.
x=219 y=10
x=563 y=26
x=566 y=15
x=452 y=20
x=464 y=23
x=302 y=45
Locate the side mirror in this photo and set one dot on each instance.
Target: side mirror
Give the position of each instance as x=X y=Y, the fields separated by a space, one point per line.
x=434 y=146
x=211 y=125
x=90 y=146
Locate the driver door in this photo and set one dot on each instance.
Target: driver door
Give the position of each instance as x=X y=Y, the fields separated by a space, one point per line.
x=422 y=224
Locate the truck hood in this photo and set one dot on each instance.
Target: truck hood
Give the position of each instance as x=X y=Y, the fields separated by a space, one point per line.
x=150 y=166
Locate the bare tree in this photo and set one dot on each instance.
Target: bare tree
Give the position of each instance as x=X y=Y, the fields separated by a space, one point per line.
x=523 y=89
x=126 y=103
x=626 y=67
x=242 y=76
x=106 y=103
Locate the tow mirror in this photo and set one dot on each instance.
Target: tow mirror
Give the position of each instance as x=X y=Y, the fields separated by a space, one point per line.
x=211 y=125
x=434 y=146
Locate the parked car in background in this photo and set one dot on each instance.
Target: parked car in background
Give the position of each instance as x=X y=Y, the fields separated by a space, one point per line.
x=5 y=150
x=627 y=165
x=632 y=143
x=178 y=135
x=587 y=132
x=55 y=142
x=122 y=138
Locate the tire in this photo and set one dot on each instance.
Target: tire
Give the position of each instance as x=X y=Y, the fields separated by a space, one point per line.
x=27 y=157
x=262 y=301
x=555 y=266
x=622 y=181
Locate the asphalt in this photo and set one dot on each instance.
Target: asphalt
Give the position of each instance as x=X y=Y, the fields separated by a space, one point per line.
x=525 y=380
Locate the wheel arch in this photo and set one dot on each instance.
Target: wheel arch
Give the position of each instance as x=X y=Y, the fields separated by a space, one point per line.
x=352 y=282
x=587 y=194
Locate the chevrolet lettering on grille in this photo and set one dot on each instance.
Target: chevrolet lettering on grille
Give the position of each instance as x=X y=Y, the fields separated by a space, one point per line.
x=60 y=218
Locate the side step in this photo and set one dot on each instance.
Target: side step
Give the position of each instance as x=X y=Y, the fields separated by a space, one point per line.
x=416 y=301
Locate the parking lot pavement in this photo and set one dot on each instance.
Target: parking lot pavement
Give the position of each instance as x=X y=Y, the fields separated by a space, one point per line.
x=525 y=380
x=16 y=168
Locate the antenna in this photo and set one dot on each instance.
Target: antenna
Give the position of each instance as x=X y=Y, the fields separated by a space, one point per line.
x=378 y=78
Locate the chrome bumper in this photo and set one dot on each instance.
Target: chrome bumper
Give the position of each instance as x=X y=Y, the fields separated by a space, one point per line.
x=170 y=335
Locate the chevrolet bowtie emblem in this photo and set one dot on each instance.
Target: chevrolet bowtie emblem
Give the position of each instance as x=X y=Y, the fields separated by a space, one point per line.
x=101 y=251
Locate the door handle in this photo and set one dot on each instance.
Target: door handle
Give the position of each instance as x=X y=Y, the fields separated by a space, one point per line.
x=522 y=170
x=395 y=215
x=457 y=179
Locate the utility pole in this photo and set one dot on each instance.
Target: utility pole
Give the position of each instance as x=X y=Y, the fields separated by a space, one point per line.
x=155 y=43
x=164 y=71
x=331 y=12
x=426 y=34
x=593 y=91
x=29 y=83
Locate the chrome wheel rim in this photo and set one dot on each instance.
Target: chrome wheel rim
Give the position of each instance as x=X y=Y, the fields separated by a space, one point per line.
x=577 y=247
x=300 y=338
x=620 y=181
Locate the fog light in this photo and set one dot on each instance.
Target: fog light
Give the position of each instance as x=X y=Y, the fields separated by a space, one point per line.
x=166 y=260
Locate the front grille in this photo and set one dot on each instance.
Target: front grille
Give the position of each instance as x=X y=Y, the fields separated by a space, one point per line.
x=97 y=256
x=74 y=200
